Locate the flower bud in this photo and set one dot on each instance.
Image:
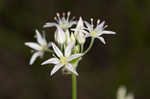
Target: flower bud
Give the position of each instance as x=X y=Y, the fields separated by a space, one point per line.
x=60 y=36
x=76 y=49
x=80 y=38
x=68 y=39
x=72 y=38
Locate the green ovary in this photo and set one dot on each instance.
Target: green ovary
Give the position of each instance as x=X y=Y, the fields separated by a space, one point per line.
x=43 y=47
x=64 y=25
x=63 y=60
x=94 y=33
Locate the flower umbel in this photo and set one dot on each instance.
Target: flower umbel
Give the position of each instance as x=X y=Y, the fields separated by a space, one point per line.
x=39 y=47
x=70 y=38
x=63 y=60
x=68 y=49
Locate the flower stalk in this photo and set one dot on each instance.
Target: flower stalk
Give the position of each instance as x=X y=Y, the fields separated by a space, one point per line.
x=74 y=86
x=90 y=46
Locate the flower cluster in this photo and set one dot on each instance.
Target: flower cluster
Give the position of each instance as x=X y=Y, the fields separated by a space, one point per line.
x=70 y=36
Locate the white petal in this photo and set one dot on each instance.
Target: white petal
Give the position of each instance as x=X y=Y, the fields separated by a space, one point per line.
x=89 y=26
x=108 y=32
x=102 y=40
x=74 y=56
x=51 y=61
x=49 y=25
x=57 y=50
x=34 y=56
x=87 y=35
x=80 y=23
x=33 y=45
x=70 y=68
x=100 y=27
x=56 y=68
x=79 y=30
x=40 y=40
x=68 y=49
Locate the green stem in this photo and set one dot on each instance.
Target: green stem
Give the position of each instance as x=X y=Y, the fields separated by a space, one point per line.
x=82 y=47
x=74 y=86
x=91 y=43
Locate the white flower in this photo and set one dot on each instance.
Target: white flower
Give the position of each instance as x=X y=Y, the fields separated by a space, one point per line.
x=39 y=47
x=79 y=31
x=98 y=31
x=63 y=60
x=63 y=22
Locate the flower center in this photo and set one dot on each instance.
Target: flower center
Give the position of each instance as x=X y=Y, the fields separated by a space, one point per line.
x=64 y=25
x=94 y=33
x=64 y=60
x=43 y=47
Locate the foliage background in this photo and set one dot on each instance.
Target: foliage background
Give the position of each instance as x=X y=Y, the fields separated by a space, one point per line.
x=124 y=60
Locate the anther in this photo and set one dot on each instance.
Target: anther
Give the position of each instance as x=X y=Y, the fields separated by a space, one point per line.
x=63 y=14
x=68 y=14
x=98 y=21
x=57 y=14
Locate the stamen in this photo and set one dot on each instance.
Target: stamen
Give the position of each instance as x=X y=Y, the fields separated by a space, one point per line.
x=105 y=26
x=58 y=15
x=55 y=18
x=98 y=21
x=68 y=15
x=63 y=14
x=92 y=22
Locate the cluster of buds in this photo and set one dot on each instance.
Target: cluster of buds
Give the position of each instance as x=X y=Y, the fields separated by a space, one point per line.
x=70 y=36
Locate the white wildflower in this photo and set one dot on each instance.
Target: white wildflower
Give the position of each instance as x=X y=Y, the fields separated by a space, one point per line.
x=63 y=60
x=64 y=22
x=39 y=47
x=98 y=31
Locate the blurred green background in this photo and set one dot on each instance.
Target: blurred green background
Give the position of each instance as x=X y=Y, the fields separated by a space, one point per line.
x=124 y=60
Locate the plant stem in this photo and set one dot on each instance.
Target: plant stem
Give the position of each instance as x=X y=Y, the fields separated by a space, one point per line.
x=91 y=43
x=82 y=47
x=74 y=86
